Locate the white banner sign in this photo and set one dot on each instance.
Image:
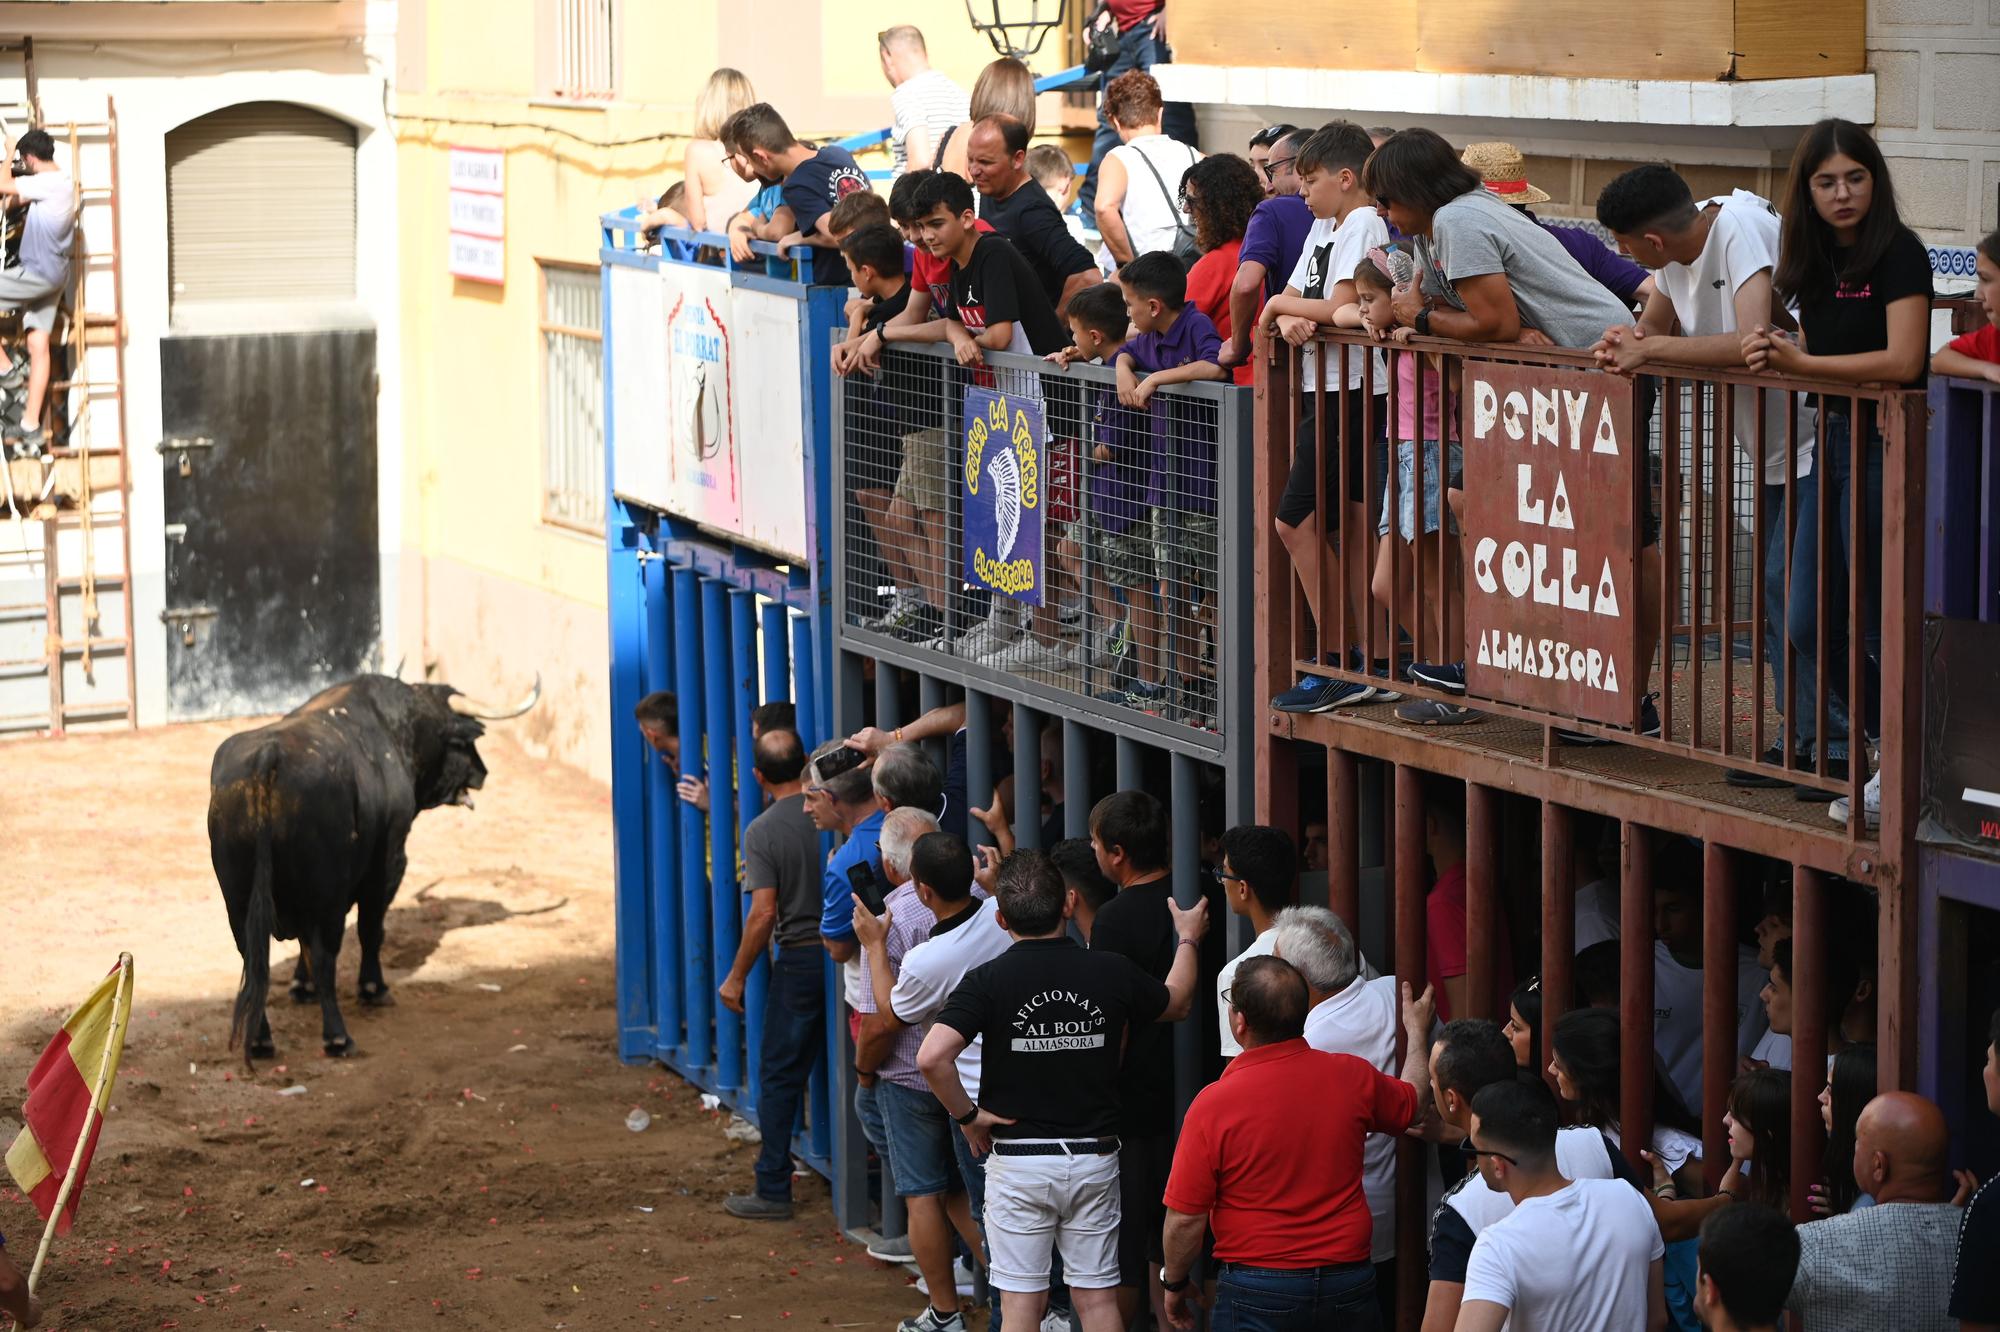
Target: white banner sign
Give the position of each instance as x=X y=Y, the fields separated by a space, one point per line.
x=478 y=214
x=478 y=259
x=707 y=413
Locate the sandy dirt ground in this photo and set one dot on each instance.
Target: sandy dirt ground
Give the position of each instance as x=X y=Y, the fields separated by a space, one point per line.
x=470 y=1167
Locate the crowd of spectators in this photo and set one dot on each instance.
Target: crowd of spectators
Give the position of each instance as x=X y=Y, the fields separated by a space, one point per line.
x=1017 y=1079
x=1010 y=1008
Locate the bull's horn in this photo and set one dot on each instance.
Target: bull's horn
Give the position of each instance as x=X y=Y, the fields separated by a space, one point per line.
x=401 y=662
x=471 y=707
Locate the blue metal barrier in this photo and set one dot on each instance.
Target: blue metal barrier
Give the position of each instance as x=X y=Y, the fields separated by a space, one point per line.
x=726 y=627
x=1962 y=575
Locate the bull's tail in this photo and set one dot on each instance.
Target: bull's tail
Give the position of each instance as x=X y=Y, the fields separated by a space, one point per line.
x=260 y=917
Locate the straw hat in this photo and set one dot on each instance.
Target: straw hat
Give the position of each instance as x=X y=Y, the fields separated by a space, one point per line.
x=1504 y=170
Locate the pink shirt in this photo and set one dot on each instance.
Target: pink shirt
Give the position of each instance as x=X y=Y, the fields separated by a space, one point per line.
x=1409 y=425
x=1445 y=938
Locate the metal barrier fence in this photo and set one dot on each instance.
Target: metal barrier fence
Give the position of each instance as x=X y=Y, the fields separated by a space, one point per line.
x=1047 y=726
x=722 y=618
x=1567 y=559
x=1124 y=524
x=1962 y=580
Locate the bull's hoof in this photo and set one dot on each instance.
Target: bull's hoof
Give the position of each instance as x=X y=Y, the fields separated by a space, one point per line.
x=339 y=1049
x=303 y=992
x=377 y=996
x=261 y=1050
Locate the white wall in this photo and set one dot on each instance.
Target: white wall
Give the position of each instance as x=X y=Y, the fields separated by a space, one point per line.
x=1937 y=65
x=157 y=86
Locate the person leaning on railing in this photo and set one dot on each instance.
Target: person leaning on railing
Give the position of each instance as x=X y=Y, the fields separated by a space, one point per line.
x=1487 y=274
x=1713 y=267
x=1862 y=284
x=1977 y=354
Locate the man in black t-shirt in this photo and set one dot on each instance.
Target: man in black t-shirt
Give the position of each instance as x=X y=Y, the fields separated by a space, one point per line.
x=1129 y=833
x=1054 y=1019
x=997 y=303
x=996 y=158
x=815 y=179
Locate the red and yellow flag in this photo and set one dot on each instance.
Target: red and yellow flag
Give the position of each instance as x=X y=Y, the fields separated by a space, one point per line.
x=67 y=1091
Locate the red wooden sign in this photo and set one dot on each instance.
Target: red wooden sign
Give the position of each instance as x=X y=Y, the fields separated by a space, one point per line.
x=1551 y=542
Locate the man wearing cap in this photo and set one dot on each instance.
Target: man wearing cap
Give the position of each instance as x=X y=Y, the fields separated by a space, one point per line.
x=1505 y=172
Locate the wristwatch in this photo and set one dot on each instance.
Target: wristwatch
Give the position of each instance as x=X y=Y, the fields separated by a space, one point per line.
x=1423 y=321
x=968 y=1116
x=1173 y=1287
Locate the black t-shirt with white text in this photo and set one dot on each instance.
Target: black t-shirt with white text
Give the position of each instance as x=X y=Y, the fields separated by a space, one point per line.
x=997 y=286
x=1029 y=219
x=811 y=191
x=1136 y=924
x=1054 y=1019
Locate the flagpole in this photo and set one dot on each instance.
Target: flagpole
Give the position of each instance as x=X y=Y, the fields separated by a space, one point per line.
x=114 y=1042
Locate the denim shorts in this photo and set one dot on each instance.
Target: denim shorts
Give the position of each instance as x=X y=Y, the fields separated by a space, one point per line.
x=1434 y=486
x=921 y=1161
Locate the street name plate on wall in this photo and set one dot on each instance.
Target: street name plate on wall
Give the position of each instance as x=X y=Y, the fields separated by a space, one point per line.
x=476 y=215
x=1551 y=553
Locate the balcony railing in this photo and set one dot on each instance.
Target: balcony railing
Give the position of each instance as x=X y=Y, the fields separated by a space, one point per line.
x=1619 y=534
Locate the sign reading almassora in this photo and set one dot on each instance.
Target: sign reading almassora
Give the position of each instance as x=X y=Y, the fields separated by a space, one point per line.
x=1551 y=555
x=1005 y=438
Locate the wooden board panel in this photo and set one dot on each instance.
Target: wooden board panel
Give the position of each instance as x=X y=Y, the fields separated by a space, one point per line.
x=1783 y=39
x=1330 y=34
x=1581 y=39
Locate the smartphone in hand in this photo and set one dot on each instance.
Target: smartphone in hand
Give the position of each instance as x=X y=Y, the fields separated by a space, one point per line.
x=867 y=886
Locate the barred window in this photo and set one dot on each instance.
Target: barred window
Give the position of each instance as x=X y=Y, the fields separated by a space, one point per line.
x=578 y=44
x=572 y=328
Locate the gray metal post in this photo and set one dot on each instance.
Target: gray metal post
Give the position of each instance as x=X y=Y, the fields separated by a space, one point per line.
x=1184 y=818
x=1077 y=795
x=1027 y=777
x=1131 y=768
x=888 y=697
x=978 y=763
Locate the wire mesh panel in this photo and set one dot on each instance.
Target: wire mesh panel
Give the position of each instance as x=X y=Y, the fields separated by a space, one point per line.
x=1024 y=519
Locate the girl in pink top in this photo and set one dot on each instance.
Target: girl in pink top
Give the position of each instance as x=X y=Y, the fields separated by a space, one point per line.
x=1431 y=416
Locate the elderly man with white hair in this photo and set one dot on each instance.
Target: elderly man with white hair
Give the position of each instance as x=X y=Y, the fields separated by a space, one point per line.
x=1353 y=1012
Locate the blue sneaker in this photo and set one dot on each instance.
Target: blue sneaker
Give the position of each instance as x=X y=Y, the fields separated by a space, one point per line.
x=1320 y=693
x=1449 y=677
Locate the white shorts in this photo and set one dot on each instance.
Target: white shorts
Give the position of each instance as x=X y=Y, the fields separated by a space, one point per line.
x=1038 y=1203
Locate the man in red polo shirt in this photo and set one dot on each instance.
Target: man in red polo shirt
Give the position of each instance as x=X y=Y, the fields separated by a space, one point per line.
x=1292 y=1226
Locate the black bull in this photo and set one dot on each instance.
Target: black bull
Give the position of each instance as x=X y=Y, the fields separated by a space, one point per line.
x=307 y=817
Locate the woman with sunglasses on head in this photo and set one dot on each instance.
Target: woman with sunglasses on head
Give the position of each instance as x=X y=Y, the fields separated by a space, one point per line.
x=1524 y=1023
x=1862 y=283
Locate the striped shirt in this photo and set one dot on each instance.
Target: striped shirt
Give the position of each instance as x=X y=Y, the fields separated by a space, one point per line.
x=910 y=923
x=929 y=99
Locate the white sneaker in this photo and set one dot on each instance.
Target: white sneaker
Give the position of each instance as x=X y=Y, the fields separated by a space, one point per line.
x=987 y=637
x=1871 y=804
x=902 y=608
x=1055 y=1320
x=928 y=1321
x=1032 y=656
x=961 y=1275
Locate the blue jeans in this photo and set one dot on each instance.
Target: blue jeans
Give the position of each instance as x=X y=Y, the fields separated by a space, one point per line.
x=1834 y=493
x=1315 y=1299
x=794 y=1040
x=1137 y=49
x=1777 y=547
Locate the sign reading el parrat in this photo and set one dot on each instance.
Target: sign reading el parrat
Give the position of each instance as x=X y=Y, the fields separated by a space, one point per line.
x=1551 y=586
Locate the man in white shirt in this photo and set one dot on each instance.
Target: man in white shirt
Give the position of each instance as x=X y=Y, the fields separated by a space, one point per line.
x=36 y=285
x=926 y=104
x=1573 y=1255
x=1677 y=979
x=1258 y=870
x=1713 y=264
x=1468 y=1056
x=1354 y=1014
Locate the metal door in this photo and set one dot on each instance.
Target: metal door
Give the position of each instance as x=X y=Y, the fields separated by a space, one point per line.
x=273 y=584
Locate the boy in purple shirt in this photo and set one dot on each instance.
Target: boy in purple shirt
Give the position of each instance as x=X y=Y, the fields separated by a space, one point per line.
x=1174 y=343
